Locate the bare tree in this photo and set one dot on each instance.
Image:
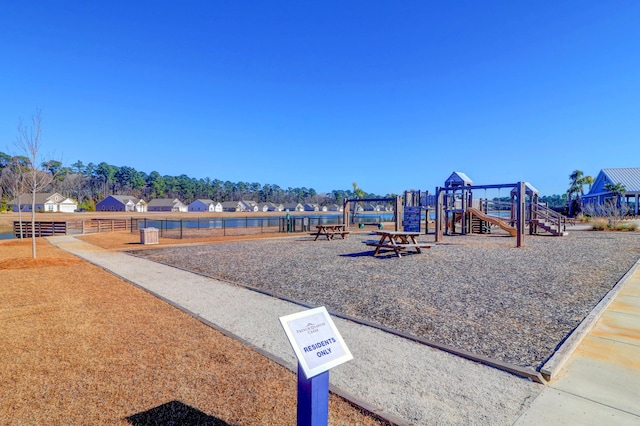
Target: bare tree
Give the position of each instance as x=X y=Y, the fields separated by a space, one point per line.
x=12 y=182
x=35 y=179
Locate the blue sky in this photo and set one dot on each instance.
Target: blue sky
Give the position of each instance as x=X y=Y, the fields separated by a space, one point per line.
x=320 y=94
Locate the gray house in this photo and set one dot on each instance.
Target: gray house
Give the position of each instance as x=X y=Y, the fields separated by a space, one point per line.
x=232 y=206
x=629 y=177
x=293 y=207
x=270 y=207
x=166 y=205
x=311 y=207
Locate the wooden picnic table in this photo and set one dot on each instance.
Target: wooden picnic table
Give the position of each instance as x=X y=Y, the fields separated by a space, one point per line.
x=398 y=241
x=331 y=230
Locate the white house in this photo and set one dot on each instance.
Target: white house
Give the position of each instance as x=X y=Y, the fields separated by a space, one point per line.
x=45 y=202
x=269 y=207
x=205 y=205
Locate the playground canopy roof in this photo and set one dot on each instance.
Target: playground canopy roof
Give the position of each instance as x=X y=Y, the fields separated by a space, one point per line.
x=458 y=179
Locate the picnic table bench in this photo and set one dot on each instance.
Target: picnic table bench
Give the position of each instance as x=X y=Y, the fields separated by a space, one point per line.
x=398 y=241
x=331 y=231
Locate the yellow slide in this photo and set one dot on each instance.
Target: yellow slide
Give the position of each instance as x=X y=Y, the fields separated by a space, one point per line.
x=496 y=220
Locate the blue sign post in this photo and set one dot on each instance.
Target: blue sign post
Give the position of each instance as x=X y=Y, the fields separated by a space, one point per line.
x=318 y=347
x=313 y=399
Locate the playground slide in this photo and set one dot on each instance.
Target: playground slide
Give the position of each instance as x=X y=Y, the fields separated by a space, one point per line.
x=495 y=220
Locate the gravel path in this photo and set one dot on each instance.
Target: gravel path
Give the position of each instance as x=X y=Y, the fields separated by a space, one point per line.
x=475 y=293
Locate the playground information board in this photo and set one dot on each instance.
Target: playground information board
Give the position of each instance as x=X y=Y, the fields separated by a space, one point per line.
x=411 y=219
x=315 y=340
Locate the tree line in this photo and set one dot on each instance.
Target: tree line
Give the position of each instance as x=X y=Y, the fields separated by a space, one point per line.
x=90 y=183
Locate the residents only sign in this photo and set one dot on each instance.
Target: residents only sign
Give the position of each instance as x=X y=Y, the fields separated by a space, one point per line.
x=315 y=340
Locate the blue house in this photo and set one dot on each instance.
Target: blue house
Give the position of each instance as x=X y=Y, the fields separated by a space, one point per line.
x=629 y=177
x=121 y=203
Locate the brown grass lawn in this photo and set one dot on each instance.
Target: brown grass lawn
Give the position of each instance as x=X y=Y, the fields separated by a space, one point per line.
x=80 y=346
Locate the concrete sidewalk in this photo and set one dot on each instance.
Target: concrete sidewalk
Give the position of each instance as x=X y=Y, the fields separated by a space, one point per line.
x=410 y=383
x=600 y=383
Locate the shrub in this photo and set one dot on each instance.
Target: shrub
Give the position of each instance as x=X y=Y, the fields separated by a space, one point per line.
x=600 y=223
x=626 y=226
x=88 y=206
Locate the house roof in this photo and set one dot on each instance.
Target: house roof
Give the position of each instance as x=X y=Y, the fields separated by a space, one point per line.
x=41 y=198
x=124 y=199
x=629 y=177
x=163 y=202
x=204 y=200
x=292 y=205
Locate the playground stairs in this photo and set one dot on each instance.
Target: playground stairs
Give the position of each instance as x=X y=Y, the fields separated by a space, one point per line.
x=543 y=218
x=479 y=226
x=551 y=228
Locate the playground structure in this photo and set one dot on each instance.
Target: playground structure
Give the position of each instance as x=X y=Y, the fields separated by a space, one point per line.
x=457 y=211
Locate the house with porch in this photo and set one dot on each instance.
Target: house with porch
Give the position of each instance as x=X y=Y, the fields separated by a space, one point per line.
x=599 y=195
x=44 y=202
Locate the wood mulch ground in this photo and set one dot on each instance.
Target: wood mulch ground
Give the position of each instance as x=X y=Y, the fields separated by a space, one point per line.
x=80 y=346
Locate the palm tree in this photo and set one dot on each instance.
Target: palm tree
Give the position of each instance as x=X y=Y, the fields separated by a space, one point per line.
x=588 y=180
x=617 y=190
x=576 y=186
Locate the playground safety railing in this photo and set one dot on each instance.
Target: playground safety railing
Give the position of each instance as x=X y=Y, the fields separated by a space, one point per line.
x=542 y=212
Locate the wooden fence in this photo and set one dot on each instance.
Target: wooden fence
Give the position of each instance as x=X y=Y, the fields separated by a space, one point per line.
x=51 y=228
x=40 y=229
x=99 y=225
